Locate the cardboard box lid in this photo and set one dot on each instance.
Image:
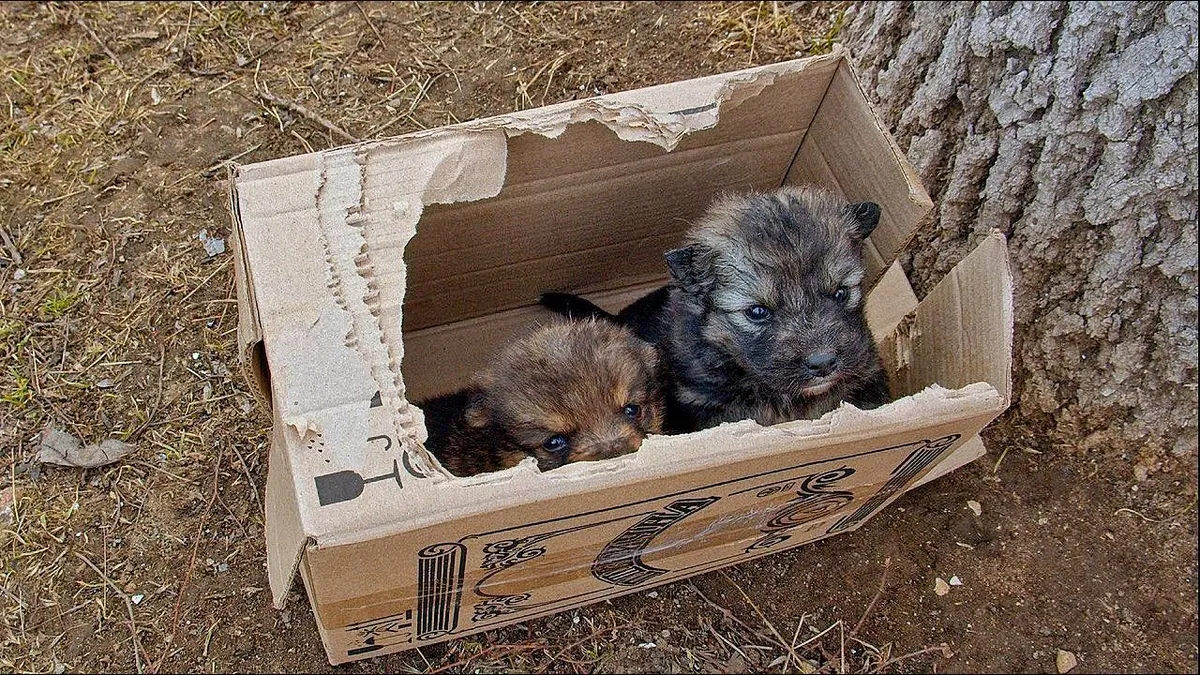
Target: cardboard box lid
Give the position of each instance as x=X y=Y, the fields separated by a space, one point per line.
x=321 y=281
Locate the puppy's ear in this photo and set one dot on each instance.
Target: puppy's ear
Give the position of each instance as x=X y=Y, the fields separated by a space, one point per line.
x=689 y=268
x=866 y=218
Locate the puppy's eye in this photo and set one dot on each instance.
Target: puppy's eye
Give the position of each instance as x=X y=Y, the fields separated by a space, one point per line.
x=841 y=295
x=631 y=411
x=758 y=314
x=556 y=444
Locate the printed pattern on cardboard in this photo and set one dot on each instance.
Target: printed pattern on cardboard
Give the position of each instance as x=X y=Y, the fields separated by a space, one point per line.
x=483 y=580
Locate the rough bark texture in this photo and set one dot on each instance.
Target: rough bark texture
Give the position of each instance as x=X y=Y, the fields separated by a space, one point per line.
x=1072 y=128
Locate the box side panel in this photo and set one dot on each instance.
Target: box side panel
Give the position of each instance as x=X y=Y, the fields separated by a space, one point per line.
x=285 y=534
x=586 y=209
x=849 y=151
x=470 y=575
x=962 y=331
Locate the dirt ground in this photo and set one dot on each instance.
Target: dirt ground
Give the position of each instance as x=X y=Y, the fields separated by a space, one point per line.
x=116 y=322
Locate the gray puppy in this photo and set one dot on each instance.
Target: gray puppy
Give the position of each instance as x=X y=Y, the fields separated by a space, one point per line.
x=763 y=317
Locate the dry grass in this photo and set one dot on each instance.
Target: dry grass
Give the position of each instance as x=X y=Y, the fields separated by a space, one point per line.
x=115 y=323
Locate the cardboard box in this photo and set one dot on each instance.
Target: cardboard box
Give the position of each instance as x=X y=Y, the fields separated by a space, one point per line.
x=388 y=271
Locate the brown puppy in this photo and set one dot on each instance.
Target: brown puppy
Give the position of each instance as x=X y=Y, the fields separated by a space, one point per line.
x=763 y=318
x=567 y=392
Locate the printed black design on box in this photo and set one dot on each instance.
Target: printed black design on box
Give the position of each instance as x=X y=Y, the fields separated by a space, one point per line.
x=345 y=485
x=440 y=570
x=371 y=636
x=342 y=486
x=817 y=501
x=504 y=554
x=813 y=501
x=620 y=563
x=916 y=462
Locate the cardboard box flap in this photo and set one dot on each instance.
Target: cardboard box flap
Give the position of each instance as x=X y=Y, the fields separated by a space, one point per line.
x=889 y=302
x=865 y=165
x=285 y=532
x=249 y=333
x=962 y=331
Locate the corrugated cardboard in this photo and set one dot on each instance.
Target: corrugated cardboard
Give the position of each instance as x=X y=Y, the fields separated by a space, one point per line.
x=389 y=271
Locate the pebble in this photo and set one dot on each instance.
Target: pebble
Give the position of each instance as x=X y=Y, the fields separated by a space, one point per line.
x=975 y=507
x=940 y=587
x=1065 y=661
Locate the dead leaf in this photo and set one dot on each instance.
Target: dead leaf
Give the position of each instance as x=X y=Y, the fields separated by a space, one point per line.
x=1065 y=661
x=63 y=449
x=940 y=587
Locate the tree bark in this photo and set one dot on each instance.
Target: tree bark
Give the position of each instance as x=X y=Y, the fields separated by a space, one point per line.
x=1072 y=128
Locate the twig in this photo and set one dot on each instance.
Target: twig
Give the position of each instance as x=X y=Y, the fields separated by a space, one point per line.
x=137 y=656
x=371 y=24
x=47 y=202
x=221 y=164
x=724 y=612
x=115 y=60
x=943 y=648
x=305 y=113
x=187 y=577
x=578 y=642
x=12 y=248
x=887 y=564
x=782 y=643
x=1187 y=507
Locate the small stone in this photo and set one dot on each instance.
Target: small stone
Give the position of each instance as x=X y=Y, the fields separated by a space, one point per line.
x=212 y=245
x=652 y=594
x=647 y=645
x=1064 y=661
x=975 y=507
x=955 y=581
x=940 y=587
x=7 y=497
x=137 y=599
x=104 y=384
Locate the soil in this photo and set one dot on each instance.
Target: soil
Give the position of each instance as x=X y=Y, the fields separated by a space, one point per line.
x=115 y=321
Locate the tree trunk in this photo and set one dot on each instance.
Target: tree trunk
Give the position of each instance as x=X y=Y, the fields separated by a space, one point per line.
x=1071 y=127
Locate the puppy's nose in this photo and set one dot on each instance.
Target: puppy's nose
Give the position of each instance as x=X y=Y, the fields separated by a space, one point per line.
x=821 y=363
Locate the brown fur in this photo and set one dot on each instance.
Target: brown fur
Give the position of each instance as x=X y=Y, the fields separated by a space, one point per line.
x=572 y=379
